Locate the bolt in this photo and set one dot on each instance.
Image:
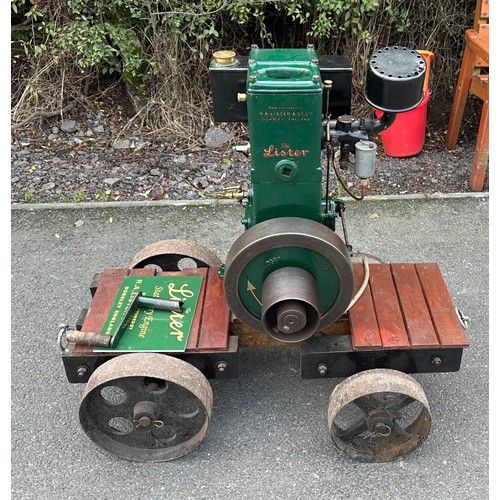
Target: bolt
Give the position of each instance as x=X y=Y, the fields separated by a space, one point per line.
x=436 y=361
x=145 y=413
x=144 y=421
x=82 y=370
x=315 y=78
x=221 y=366
x=253 y=78
x=322 y=369
x=315 y=61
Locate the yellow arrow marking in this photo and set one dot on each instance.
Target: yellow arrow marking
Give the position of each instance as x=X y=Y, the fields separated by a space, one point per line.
x=251 y=289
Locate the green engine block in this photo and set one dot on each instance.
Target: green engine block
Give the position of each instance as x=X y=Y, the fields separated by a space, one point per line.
x=284 y=95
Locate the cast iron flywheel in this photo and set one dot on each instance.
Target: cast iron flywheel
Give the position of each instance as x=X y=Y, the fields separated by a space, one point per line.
x=288 y=277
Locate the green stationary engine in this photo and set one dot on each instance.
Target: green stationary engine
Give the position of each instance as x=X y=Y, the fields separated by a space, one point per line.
x=289 y=274
x=284 y=100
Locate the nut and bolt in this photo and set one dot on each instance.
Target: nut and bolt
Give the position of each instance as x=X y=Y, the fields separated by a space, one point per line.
x=221 y=366
x=82 y=370
x=322 y=369
x=436 y=361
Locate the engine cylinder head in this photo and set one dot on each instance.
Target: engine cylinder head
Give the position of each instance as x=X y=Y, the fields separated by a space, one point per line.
x=290 y=311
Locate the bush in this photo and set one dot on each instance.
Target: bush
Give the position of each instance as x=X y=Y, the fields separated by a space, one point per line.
x=160 y=49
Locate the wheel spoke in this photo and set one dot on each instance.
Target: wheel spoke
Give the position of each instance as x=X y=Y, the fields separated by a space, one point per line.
x=398 y=403
x=369 y=402
x=353 y=430
x=400 y=433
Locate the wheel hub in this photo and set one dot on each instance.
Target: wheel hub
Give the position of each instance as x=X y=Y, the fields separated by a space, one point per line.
x=145 y=413
x=380 y=422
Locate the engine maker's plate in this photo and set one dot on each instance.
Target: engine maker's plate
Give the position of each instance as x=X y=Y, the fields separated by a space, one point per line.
x=288 y=242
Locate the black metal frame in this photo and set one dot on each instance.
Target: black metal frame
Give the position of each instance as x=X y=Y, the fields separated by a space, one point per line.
x=333 y=356
x=214 y=365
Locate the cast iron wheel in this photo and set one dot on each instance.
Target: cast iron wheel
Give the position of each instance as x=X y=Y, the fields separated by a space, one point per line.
x=378 y=415
x=146 y=407
x=174 y=255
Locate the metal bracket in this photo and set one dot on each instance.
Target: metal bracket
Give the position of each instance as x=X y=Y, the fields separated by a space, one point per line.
x=464 y=320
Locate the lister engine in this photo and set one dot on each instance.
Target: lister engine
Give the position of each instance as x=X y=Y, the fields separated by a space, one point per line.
x=155 y=331
x=289 y=274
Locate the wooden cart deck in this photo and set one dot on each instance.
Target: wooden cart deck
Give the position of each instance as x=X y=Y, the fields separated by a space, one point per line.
x=405 y=307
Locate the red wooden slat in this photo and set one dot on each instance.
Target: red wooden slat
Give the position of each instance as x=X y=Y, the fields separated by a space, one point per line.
x=442 y=309
x=363 y=320
x=144 y=271
x=414 y=307
x=389 y=315
x=108 y=287
x=214 y=334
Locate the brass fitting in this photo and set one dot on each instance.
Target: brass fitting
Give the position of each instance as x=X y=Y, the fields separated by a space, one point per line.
x=225 y=57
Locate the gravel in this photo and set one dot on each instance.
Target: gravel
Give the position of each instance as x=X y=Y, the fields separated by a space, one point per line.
x=82 y=160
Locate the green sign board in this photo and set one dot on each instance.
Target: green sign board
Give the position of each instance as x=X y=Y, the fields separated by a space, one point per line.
x=151 y=329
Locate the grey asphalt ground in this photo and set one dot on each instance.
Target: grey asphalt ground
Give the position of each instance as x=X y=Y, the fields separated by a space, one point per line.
x=268 y=437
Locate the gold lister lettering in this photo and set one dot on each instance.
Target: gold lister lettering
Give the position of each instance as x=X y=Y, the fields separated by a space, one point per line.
x=135 y=290
x=285 y=151
x=176 y=318
x=122 y=297
x=119 y=305
x=143 y=327
x=286 y=114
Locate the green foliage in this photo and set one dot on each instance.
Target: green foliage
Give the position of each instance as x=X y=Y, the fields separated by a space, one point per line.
x=161 y=48
x=115 y=36
x=28 y=194
x=78 y=196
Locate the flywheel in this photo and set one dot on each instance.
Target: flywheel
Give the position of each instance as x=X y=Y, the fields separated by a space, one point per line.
x=288 y=277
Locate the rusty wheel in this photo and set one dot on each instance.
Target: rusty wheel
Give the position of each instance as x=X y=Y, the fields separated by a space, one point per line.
x=175 y=255
x=378 y=415
x=146 y=407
